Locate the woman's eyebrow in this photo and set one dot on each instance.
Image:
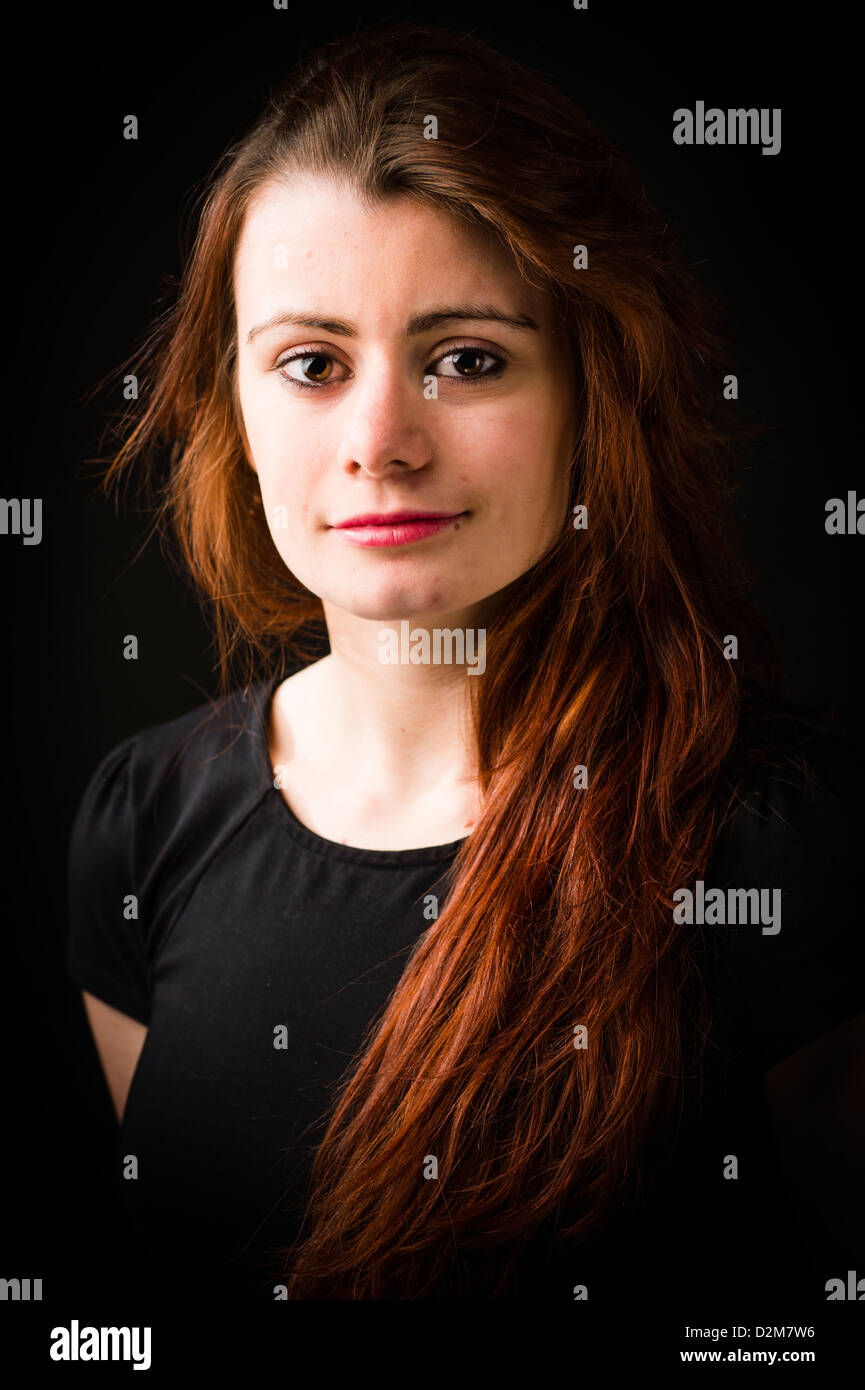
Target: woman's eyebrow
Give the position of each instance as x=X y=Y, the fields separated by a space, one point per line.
x=421 y=323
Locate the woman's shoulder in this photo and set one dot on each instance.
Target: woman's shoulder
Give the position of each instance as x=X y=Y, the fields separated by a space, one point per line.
x=185 y=747
x=172 y=778
x=157 y=807
x=802 y=791
x=789 y=848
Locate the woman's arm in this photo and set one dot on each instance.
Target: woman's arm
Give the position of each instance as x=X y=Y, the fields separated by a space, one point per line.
x=817 y=1112
x=119 y=1040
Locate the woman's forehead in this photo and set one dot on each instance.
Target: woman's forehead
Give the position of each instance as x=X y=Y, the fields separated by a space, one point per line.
x=320 y=237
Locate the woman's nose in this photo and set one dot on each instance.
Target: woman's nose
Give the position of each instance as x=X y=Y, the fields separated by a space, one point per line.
x=388 y=423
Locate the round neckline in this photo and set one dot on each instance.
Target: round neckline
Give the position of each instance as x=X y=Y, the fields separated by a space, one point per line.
x=263 y=692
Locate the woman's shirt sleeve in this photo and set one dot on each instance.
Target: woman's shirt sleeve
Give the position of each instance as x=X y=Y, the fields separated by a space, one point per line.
x=799 y=840
x=105 y=943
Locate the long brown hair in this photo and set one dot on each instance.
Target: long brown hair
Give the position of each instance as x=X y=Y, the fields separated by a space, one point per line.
x=608 y=654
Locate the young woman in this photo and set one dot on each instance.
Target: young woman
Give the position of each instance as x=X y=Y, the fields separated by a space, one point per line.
x=464 y=954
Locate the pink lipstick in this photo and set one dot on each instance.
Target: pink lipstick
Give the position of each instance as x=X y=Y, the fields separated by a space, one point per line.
x=395 y=528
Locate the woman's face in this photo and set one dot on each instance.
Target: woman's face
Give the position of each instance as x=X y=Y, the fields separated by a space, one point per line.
x=412 y=399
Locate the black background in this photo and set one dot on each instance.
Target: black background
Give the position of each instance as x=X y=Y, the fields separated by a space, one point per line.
x=95 y=224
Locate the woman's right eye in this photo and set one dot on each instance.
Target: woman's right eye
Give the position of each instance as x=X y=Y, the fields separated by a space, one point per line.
x=316 y=358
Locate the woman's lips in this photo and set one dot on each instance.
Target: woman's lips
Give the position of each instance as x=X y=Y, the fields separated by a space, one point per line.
x=376 y=530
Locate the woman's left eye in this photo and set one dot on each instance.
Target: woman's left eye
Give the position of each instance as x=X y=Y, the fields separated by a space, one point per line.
x=465 y=373
x=477 y=353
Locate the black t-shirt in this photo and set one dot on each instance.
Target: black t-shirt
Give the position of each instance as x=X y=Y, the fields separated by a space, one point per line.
x=258 y=953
